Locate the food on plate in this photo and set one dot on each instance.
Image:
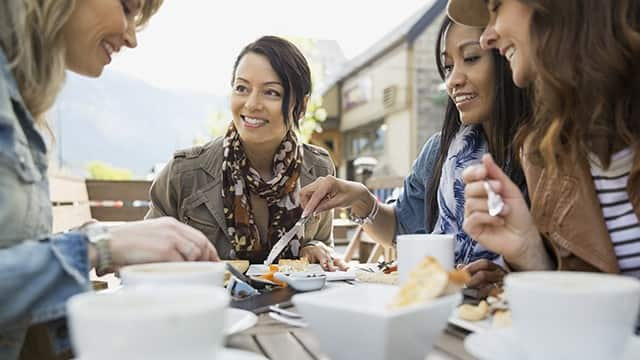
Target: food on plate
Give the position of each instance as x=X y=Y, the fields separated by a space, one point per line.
x=291 y=265
x=498 y=302
x=501 y=319
x=427 y=281
x=471 y=312
x=378 y=277
x=270 y=275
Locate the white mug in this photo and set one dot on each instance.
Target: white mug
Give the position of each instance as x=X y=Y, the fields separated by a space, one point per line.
x=174 y=273
x=573 y=315
x=164 y=323
x=413 y=248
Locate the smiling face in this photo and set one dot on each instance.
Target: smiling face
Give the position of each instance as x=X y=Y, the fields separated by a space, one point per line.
x=508 y=31
x=256 y=102
x=469 y=73
x=96 y=30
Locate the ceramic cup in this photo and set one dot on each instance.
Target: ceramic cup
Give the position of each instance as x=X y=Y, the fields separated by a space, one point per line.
x=165 y=323
x=412 y=249
x=573 y=315
x=174 y=273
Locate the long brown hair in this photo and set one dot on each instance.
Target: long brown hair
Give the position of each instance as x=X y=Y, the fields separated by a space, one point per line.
x=587 y=88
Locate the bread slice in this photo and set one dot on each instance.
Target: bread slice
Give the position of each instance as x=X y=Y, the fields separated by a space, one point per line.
x=427 y=281
x=291 y=265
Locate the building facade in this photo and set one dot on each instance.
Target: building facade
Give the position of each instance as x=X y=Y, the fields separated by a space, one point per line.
x=385 y=103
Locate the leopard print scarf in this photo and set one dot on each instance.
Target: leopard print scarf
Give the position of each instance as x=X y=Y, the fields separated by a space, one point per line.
x=240 y=181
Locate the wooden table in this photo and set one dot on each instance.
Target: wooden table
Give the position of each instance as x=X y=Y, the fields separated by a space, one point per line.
x=278 y=341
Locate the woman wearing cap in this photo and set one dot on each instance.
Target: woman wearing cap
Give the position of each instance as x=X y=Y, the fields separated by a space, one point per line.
x=483 y=110
x=39 y=271
x=241 y=189
x=580 y=148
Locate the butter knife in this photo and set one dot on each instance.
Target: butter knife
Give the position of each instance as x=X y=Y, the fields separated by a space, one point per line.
x=284 y=240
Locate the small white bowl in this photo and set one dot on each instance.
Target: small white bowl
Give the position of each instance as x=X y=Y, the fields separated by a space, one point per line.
x=355 y=322
x=303 y=281
x=174 y=273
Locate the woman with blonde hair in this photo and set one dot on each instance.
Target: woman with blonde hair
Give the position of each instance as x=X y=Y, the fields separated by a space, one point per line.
x=39 y=271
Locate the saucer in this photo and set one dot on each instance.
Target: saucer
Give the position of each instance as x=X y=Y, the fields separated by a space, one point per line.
x=238 y=320
x=502 y=344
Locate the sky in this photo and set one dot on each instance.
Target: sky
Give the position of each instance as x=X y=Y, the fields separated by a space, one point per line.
x=192 y=44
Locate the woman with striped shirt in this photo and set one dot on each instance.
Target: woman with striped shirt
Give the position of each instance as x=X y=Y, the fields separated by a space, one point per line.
x=580 y=149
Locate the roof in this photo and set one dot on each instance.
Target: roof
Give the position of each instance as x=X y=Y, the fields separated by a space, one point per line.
x=408 y=31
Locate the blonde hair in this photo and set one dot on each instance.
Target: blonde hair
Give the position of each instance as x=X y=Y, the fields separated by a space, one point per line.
x=31 y=38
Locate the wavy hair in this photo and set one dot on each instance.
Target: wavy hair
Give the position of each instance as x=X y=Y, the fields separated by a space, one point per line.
x=587 y=89
x=31 y=39
x=511 y=107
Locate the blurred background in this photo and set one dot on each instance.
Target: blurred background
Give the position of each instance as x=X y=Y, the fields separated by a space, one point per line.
x=377 y=94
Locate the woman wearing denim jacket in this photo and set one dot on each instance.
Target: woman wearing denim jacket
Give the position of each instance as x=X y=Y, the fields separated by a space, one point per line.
x=39 y=271
x=483 y=110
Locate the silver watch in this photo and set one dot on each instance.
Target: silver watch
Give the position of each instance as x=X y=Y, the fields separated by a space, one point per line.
x=99 y=237
x=369 y=218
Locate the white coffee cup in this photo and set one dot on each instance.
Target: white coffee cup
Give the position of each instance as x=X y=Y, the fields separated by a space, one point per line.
x=413 y=248
x=164 y=323
x=174 y=273
x=573 y=315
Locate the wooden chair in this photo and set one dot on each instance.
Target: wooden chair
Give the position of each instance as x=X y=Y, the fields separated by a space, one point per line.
x=122 y=200
x=70 y=202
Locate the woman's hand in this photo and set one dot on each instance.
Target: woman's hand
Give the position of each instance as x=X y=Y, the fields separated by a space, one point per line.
x=326 y=193
x=512 y=232
x=323 y=255
x=161 y=239
x=485 y=277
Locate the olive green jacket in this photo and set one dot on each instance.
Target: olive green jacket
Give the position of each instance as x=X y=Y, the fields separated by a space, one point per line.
x=189 y=189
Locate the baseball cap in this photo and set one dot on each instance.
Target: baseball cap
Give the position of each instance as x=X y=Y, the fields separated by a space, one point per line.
x=468 y=12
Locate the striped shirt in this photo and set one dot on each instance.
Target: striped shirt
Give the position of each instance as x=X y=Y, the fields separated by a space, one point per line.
x=618 y=212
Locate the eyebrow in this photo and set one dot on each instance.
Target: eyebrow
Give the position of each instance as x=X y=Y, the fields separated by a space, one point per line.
x=463 y=46
x=265 y=83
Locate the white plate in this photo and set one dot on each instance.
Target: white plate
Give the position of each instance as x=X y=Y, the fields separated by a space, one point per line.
x=238 y=320
x=261 y=269
x=231 y=354
x=502 y=344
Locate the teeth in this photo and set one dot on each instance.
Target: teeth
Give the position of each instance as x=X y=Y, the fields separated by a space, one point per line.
x=253 y=121
x=108 y=47
x=509 y=53
x=461 y=98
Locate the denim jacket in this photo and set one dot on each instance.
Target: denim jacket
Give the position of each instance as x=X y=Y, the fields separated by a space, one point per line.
x=411 y=207
x=38 y=271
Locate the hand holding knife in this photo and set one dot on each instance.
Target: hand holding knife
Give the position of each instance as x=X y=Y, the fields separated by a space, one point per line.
x=284 y=240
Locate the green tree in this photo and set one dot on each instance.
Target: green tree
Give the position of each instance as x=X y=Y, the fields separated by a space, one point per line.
x=99 y=170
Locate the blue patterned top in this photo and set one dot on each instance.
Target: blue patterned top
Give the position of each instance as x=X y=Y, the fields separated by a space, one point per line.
x=466 y=149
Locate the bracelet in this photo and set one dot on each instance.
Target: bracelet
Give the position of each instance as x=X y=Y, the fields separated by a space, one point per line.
x=369 y=218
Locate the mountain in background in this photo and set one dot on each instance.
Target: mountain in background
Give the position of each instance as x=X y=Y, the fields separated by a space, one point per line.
x=125 y=122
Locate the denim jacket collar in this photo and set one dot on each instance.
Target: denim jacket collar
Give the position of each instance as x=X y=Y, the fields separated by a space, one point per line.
x=7 y=74
x=27 y=122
